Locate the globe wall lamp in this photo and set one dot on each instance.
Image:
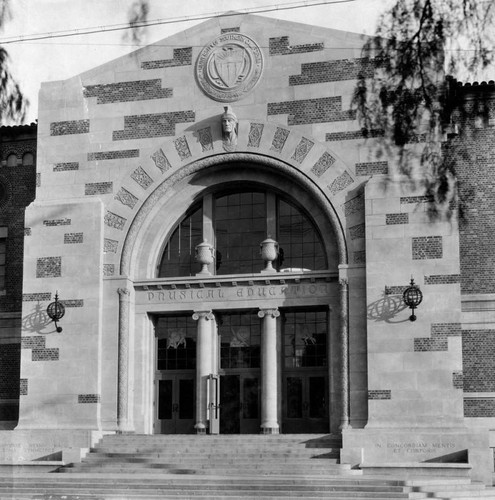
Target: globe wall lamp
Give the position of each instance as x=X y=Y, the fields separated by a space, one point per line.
x=56 y=311
x=412 y=298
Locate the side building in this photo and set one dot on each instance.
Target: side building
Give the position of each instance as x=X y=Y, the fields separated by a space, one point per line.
x=17 y=191
x=220 y=229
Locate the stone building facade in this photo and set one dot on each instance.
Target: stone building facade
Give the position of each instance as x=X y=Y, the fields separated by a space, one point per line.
x=160 y=175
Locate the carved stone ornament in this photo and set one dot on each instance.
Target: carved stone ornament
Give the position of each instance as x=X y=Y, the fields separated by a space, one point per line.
x=229 y=67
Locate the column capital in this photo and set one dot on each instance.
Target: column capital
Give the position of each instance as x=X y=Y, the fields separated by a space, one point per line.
x=207 y=315
x=273 y=312
x=123 y=292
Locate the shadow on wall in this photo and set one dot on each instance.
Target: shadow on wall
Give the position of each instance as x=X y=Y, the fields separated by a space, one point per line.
x=37 y=321
x=387 y=308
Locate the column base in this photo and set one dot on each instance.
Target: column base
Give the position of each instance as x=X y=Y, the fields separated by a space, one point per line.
x=200 y=428
x=270 y=430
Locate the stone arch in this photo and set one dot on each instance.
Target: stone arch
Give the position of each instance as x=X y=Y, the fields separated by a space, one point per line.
x=294 y=156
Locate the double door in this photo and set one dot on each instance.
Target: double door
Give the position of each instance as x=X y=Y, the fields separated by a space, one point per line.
x=305 y=402
x=240 y=399
x=175 y=396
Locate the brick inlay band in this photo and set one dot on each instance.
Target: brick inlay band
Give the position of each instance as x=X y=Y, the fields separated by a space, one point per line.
x=69 y=127
x=36 y=297
x=73 y=238
x=479 y=408
x=355 y=134
x=33 y=342
x=280 y=47
x=416 y=199
x=57 y=222
x=380 y=394
x=73 y=302
x=392 y=219
x=333 y=71
x=427 y=247
x=95 y=188
x=139 y=90
x=88 y=398
x=49 y=267
x=307 y=111
x=438 y=340
x=181 y=57
x=442 y=279
x=152 y=125
x=113 y=155
x=23 y=387
x=458 y=380
x=478 y=354
x=64 y=167
x=372 y=168
x=45 y=354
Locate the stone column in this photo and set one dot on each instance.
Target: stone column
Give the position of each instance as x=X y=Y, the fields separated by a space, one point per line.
x=204 y=356
x=344 y=344
x=124 y=421
x=269 y=363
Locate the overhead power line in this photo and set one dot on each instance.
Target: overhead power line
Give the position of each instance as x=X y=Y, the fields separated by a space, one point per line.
x=173 y=20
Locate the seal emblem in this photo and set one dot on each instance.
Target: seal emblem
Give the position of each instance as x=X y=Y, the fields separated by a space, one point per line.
x=229 y=67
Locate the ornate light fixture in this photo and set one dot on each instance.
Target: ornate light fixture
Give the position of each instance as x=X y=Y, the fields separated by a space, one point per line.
x=412 y=298
x=56 y=311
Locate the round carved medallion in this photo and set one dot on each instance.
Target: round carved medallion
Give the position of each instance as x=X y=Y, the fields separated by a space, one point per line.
x=229 y=67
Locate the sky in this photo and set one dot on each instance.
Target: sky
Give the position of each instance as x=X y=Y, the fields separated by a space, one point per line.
x=38 y=61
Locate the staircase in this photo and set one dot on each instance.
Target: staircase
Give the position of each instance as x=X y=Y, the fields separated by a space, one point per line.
x=228 y=467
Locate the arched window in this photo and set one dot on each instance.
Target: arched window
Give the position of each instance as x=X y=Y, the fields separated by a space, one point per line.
x=11 y=160
x=28 y=159
x=240 y=221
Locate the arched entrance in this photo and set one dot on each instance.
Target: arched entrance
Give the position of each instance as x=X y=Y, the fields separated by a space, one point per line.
x=272 y=340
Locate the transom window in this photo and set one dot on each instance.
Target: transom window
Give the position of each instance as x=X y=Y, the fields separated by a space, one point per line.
x=235 y=224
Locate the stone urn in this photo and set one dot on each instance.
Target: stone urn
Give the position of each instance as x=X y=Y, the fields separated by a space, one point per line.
x=269 y=252
x=204 y=255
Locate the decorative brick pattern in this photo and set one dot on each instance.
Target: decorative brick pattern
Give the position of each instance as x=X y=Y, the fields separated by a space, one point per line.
x=27 y=231
x=95 y=188
x=279 y=139
x=36 y=297
x=479 y=408
x=67 y=166
x=115 y=221
x=23 y=387
x=73 y=238
x=372 y=168
x=307 y=111
x=69 y=127
x=458 y=380
x=88 y=398
x=45 y=354
x=302 y=150
x=182 y=148
x=152 y=125
x=392 y=219
x=360 y=257
x=323 y=164
x=205 y=139
x=427 y=247
x=280 y=47
x=57 y=222
x=113 y=155
x=351 y=135
x=354 y=205
x=229 y=30
x=142 y=178
x=126 y=198
x=33 y=342
x=181 y=57
x=333 y=71
x=395 y=289
x=357 y=231
x=478 y=355
x=442 y=279
x=49 y=267
x=10 y=360
x=110 y=246
x=108 y=269
x=438 y=340
x=255 y=134
x=340 y=183
x=416 y=199
x=38 y=179
x=140 y=90
x=161 y=161
x=380 y=394
x=73 y=302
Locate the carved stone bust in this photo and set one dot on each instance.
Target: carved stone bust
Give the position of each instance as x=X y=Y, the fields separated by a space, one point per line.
x=230 y=128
